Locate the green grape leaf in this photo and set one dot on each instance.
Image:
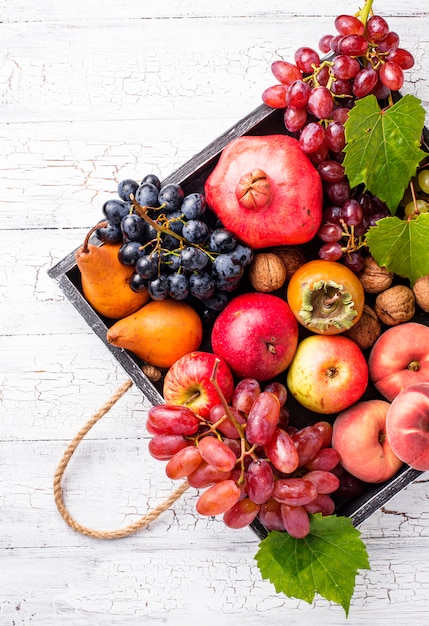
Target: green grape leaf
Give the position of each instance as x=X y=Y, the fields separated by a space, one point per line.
x=325 y=562
x=401 y=246
x=383 y=146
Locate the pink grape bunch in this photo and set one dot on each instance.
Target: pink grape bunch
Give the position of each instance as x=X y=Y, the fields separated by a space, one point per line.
x=249 y=461
x=317 y=95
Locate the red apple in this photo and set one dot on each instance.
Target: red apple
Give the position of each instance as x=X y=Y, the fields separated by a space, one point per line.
x=257 y=335
x=407 y=425
x=328 y=373
x=188 y=382
x=359 y=437
x=399 y=358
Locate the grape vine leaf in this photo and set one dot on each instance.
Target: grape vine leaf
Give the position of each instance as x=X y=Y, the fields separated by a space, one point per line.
x=383 y=146
x=401 y=246
x=325 y=562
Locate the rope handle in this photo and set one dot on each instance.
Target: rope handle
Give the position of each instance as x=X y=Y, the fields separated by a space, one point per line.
x=58 y=492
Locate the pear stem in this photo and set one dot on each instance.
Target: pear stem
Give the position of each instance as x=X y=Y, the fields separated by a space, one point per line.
x=85 y=247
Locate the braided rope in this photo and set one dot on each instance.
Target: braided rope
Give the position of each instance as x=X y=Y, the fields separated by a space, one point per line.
x=58 y=477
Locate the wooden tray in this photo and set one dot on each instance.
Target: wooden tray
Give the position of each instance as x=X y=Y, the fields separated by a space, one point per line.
x=191 y=176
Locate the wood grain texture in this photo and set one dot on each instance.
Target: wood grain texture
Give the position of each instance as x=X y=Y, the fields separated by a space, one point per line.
x=93 y=92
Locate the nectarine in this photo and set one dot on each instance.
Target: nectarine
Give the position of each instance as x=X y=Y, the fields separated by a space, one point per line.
x=359 y=436
x=407 y=426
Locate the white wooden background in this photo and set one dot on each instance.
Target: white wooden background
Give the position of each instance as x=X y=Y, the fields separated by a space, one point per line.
x=93 y=91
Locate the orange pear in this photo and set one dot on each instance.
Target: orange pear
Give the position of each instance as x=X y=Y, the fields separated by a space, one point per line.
x=105 y=281
x=160 y=332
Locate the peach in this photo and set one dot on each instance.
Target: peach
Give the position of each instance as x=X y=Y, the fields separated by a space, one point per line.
x=407 y=426
x=359 y=437
x=399 y=358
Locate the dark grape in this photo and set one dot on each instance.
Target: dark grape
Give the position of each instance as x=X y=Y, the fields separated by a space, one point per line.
x=110 y=233
x=126 y=188
x=178 y=286
x=193 y=259
x=158 y=287
x=133 y=228
x=170 y=197
x=130 y=252
x=195 y=231
x=115 y=210
x=193 y=206
x=201 y=285
x=147 y=195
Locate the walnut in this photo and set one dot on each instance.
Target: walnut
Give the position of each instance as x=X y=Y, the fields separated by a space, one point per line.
x=395 y=305
x=267 y=272
x=367 y=329
x=421 y=292
x=374 y=278
x=292 y=258
x=152 y=372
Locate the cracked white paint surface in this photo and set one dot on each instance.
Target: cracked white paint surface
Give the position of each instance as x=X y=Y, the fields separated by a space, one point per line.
x=90 y=93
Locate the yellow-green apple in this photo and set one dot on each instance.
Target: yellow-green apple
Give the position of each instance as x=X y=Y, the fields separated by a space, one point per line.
x=407 y=425
x=359 y=436
x=328 y=373
x=256 y=334
x=188 y=382
x=399 y=358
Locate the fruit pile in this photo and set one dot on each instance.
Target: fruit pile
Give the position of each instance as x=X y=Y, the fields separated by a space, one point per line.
x=271 y=266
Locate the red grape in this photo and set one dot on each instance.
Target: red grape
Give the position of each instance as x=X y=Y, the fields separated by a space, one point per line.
x=295 y=520
x=377 y=28
x=206 y=475
x=353 y=45
x=364 y=82
x=325 y=481
x=297 y=94
x=330 y=232
x=312 y=137
x=295 y=491
x=245 y=393
x=263 y=418
x=183 y=463
x=260 y=481
x=163 y=447
x=391 y=75
x=275 y=96
x=218 y=498
x=305 y=58
x=295 y=119
x=216 y=453
x=349 y=25
x=285 y=72
x=241 y=514
x=320 y=103
x=282 y=452
x=173 y=419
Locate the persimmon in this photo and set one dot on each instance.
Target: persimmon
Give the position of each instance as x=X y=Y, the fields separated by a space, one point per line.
x=160 y=332
x=326 y=297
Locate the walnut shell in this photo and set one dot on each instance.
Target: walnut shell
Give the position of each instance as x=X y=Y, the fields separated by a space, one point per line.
x=374 y=278
x=395 y=305
x=292 y=258
x=421 y=292
x=267 y=272
x=367 y=329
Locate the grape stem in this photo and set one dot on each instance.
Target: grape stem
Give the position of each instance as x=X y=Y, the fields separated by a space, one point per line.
x=244 y=450
x=142 y=212
x=365 y=11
